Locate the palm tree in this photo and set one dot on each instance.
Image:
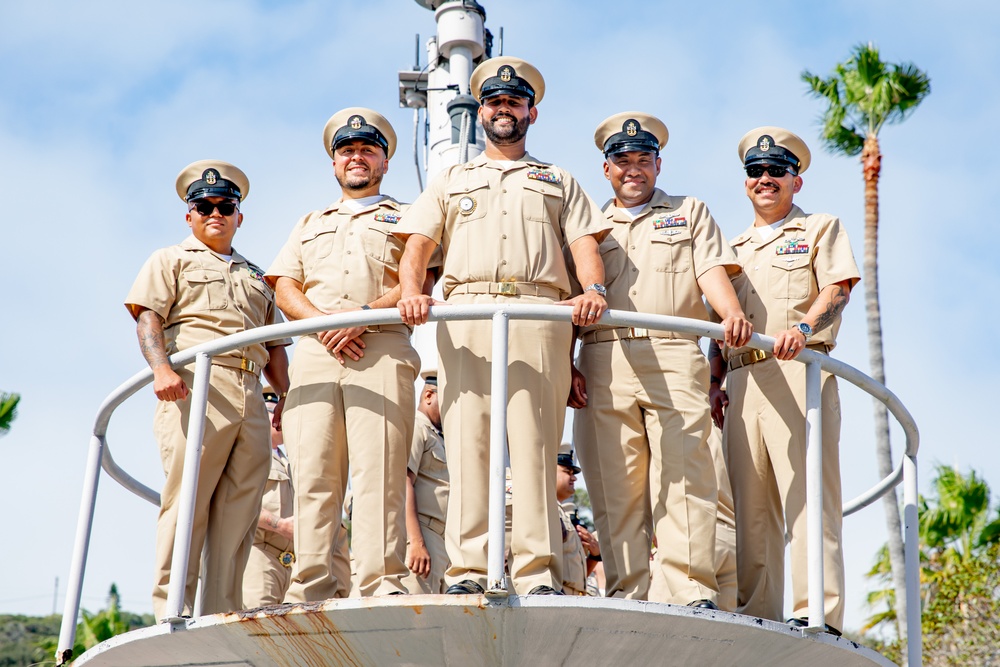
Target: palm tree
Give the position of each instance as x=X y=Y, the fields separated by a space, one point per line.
x=864 y=94
x=8 y=410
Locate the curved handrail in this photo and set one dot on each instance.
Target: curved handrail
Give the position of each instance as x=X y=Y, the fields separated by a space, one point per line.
x=100 y=455
x=525 y=312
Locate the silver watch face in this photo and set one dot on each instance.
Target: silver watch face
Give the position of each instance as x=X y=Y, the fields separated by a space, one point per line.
x=599 y=288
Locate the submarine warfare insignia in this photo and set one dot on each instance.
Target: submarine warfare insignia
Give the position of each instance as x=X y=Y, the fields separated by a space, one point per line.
x=543 y=175
x=466 y=205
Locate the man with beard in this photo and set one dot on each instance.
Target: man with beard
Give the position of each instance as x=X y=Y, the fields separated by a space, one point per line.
x=642 y=430
x=798 y=272
x=502 y=221
x=351 y=401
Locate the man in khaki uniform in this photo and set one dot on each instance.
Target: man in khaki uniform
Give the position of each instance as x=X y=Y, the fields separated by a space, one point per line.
x=580 y=550
x=189 y=294
x=351 y=401
x=642 y=430
x=269 y=570
x=798 y=272
x=502 y=221
x=426 y=497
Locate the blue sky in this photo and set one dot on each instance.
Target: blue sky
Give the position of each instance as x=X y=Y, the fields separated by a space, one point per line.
x=102 y=104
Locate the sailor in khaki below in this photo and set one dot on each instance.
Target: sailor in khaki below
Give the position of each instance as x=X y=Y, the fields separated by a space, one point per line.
x=502 y=220
x=185 y=295
x=269 y=570
x=581 y=552
x=351 y=402
x=798 y=272
x=643 y=419
x=427 y=496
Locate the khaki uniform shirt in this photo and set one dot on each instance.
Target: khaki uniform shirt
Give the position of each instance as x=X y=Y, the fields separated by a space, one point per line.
x=783 y=276
x=343 y=259
x=202 y=297
x=499 y=224
x=278 y=500
x=652 y=264
x=428 y=463
x=574 y=569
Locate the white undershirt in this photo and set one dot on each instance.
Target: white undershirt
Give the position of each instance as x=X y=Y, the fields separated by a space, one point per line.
x=228 y=258
x=767 y=231
x=506 y=164
x=634 y=211
x=355 y=205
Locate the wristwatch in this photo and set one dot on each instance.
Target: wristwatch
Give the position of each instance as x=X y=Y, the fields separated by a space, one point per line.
x=804 y=329
x=597 y=287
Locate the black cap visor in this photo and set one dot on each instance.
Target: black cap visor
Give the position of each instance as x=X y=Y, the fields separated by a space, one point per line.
x=367 y=133
x=517 y=87
x=621 y=142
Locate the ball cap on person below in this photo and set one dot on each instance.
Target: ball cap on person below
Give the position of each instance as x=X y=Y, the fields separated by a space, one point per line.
x=356 y=123
x=429 y=376
x=774 y=145
x=270 y=396
x=212 y=178
x=506 y=75
x=631 y=131
x=565 y=458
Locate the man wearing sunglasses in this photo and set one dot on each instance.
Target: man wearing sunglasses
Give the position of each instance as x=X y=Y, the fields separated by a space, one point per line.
x=351 y=404
x=643 y=422
x=186 y=295
x=798 y=272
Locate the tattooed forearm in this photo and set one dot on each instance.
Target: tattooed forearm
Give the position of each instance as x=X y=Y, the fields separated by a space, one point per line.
x=149 y=328
x=836 y=301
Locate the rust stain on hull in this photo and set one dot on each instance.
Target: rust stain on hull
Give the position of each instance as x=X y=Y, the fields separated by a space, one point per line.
x=297 y=635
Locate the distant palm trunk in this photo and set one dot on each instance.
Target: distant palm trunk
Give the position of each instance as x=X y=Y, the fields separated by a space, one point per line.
x=871 y=161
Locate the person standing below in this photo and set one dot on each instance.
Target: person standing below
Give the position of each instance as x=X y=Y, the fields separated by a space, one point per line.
x=581 y=552
x=798 y=272
x=269 y=570
x=351 y=402
x=426 y=497
x=642 y=429
x=502 y=220
x=186 y=295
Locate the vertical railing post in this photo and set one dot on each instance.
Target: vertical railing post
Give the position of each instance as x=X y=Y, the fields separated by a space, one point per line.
x=498 y=442
x=911 y=548
x=814 y=495
x=189 y=487
x=84 y=525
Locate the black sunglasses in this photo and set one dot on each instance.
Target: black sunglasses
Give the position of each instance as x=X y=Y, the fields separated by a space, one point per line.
x=757 y=170
x=206 y=208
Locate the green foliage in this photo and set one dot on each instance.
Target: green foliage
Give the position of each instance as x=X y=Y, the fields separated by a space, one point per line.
x=8 y=411
x=91 y=630
x=19 y=638
x=959 y=578
x=584 y=510
x=863 y=94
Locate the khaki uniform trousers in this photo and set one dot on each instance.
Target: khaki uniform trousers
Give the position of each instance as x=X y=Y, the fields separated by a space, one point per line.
x=270 y=578
x=765 y=437
x=433 y=533
x=538 y=385
x=643 y=446
x=234 y=463
x=359 y=418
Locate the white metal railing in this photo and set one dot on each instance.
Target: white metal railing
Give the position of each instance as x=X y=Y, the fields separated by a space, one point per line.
x=100 y=456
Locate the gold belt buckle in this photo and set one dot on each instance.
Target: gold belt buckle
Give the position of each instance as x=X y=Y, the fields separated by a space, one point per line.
x=508 y=288
x=638 y=333
x=247 y=365
x=757 y=355
x=286 y=558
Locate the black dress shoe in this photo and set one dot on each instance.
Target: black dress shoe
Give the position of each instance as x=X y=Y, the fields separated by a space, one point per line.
x=703 y=604
x=465 y=587
x=544 y=590
x=804 y=623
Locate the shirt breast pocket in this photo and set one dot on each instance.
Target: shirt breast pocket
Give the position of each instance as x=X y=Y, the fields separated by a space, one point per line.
x=542 y=202
x=613 y=258
x=671 y=251
x=467 y=202
x=317 y=246
x=260 y=298
x=791 y=276
x=207 y=289
x=382 y=245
